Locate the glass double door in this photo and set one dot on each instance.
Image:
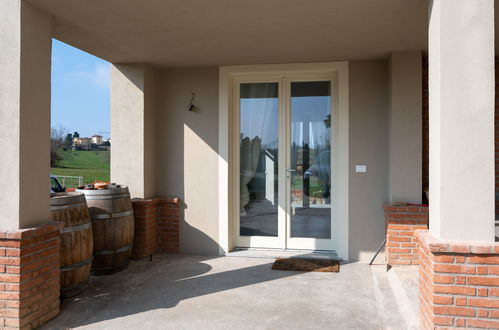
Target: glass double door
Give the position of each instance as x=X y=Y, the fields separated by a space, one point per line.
x=286 y=132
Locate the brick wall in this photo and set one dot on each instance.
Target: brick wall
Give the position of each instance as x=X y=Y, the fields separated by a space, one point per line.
x=458 y=283
x=169 y=224
x=29 y=276
x=401 y=222
x=157 y=226
x=145 y=241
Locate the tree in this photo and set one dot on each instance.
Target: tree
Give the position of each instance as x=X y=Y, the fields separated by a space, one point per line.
x=76 y=135
x=56 y=144
x=68 y=141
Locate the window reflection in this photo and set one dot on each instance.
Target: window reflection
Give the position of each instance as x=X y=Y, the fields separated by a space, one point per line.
x=258 y=159
x=311 y=159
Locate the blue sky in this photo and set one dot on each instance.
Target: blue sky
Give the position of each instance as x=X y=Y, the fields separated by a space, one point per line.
x=80 y=91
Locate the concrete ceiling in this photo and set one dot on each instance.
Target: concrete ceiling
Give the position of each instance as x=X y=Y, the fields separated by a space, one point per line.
x=181 y=33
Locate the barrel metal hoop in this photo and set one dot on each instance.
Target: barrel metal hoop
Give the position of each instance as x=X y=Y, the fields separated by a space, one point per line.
x=68 y=206
x=75 y=228
x=96 y=198
x=65 y=198
x=118 y=250
x=77 y=265
x=111 y=215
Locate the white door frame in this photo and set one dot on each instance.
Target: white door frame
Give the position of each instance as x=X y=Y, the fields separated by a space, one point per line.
x=228 y=173
x=257 y=241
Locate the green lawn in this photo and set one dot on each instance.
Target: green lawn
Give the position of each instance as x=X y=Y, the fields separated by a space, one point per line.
x=91 y=165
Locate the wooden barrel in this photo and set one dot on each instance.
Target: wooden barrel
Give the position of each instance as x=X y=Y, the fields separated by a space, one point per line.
x=113 y=225
x=76 y=241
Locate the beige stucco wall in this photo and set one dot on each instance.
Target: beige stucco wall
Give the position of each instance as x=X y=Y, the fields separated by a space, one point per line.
x=461 y=116
x=151 y=101
x=405 y=121
x=133 y=109
x=25 y=57
x=368 y=130
x=187 y=157
x=187 y=153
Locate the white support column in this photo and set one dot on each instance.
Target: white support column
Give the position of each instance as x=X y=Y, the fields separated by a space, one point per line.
x=25 y=56
x=461 y=119
x=405 y=175
x=133 y=104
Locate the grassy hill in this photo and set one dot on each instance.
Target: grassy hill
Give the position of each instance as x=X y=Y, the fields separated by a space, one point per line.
x=91 y=165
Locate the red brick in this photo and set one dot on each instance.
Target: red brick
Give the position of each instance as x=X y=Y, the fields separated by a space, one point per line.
x=460 y=301
x=489 y=281
x=458 y=311
x=481 y=302
x=489 y=324
x=443 y=300
x=443 y=320
x=482 y=270
x=460 y=280
x=443 y=279
x=444 y=268
x=482 y=313
x=444 y=258
x=493 y=270
x=452 y=289
x=483 y=259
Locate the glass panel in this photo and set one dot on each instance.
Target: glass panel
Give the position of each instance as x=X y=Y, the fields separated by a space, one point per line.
x=259 y=127
x=310 y=168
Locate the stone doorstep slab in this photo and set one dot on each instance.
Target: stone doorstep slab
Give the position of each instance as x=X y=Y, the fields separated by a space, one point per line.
x=277 y=253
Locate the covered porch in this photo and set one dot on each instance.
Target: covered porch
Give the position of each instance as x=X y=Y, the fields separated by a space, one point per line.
x=169 y=56
x=193 y=292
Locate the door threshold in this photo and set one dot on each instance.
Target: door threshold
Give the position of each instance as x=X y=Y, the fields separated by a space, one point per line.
x=283 y=253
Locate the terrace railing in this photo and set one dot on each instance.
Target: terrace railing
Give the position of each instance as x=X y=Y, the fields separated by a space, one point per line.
x=72 y=181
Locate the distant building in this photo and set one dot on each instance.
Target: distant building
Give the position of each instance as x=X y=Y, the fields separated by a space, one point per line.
x=96 y=142
x=82 y=143
x=96 y=139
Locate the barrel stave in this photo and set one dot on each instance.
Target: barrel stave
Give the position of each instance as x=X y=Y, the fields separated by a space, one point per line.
x=113 y=227
x=76 y=249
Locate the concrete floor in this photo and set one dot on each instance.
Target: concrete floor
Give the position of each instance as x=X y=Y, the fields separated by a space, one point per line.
x=193 y=292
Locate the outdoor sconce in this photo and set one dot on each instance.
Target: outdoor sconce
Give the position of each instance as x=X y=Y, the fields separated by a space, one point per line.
x=192 y=107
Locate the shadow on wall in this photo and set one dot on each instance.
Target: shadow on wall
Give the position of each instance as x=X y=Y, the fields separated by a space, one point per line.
x=187 y=153
x=195 y=241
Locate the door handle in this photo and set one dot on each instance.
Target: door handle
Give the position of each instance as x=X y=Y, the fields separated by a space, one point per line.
x=289 y=171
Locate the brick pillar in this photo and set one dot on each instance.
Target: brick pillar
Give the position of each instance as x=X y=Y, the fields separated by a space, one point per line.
x=458 y=283
x=145 y=241
x=29 y=276
x=157 y=226
x=401 y=222
x=169 y=224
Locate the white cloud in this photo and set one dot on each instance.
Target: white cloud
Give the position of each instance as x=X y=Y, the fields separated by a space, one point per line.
x=98 y=76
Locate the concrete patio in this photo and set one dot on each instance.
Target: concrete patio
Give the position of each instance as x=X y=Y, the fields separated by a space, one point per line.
x=193 y=292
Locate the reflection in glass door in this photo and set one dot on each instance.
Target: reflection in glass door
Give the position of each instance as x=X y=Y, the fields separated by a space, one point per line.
x=258 y=165
x=309 y=170
x=284 y=154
